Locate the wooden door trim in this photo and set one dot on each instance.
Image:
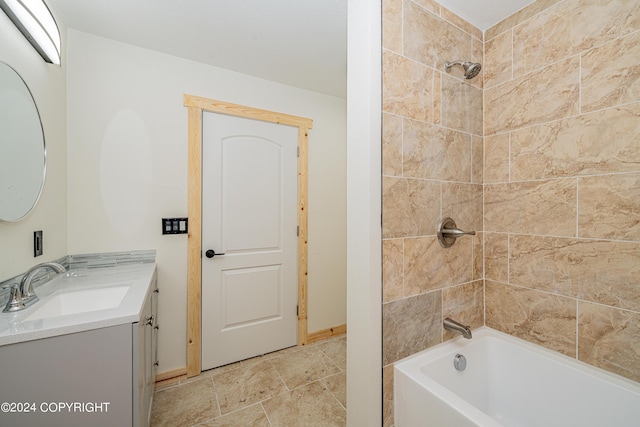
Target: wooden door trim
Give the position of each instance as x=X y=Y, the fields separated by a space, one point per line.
x=196 y=105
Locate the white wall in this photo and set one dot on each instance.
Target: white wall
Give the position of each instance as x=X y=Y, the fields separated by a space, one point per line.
x=127 y=155
x=48 y=87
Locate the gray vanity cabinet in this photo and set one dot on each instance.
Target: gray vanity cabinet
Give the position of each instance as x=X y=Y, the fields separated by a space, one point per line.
x=101 y=378
x=145 y=356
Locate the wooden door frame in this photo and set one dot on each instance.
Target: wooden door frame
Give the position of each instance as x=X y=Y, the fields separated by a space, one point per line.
x=196 y=105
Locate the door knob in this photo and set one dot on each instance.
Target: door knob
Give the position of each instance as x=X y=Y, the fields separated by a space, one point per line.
x=210 y=253
x=448 y=233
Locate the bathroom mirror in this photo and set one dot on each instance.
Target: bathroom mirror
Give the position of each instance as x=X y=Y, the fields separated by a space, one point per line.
x=22 y=148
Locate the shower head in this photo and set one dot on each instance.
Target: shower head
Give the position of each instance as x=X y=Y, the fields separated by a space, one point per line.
x=471 y=69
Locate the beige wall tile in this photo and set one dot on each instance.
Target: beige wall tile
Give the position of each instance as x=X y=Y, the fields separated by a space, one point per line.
x=594 y=143
x=410 y=207
x=464 y=304
x=477 y=55
x=608 y=339
x=477 y=152
x=541 y=318
x=411 y=325
x=477 y=247
x=496 y=258
x=498 y=60
x=437 y=97
x=601 y=271
x=540 y=207
x=428 y=266
x=496 y=158
x=547 y=94
x=391 y=145
x=430 y=5
x=392 y=25
x=518 y=17
x=431 y=40
x=392 y=270
x=461 y=105
x=460 y=23
x=463 y=203
x=570 y=27
x=609 y=206
x=433 y=152
x=387 y=396
x=610 y=73
x=407 y=87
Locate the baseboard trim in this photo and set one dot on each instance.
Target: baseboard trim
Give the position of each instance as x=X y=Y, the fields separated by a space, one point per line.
x=171 y=377
x=326 y=333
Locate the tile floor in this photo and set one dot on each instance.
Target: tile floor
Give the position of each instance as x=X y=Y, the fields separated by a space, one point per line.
x=297 y=386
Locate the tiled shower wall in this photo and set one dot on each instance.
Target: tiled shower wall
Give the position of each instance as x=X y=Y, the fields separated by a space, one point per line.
x=432 y=168
x=562 y=180
x=561 y=192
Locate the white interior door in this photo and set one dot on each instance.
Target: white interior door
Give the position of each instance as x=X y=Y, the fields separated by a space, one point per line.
x=249 y=219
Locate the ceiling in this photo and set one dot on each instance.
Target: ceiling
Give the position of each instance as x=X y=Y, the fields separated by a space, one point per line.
x=301 y=43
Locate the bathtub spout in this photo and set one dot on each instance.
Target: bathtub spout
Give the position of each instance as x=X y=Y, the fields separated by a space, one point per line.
x=453 y=326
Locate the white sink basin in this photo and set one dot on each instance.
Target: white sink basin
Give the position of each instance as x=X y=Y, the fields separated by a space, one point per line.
x=80 y=302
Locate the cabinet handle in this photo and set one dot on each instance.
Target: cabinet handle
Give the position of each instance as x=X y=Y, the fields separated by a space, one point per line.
x=148 y=320
x=156 y=327
x=156 y=291
x=157 y=363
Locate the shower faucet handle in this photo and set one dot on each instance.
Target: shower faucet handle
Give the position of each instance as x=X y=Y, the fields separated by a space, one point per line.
x=448 y=232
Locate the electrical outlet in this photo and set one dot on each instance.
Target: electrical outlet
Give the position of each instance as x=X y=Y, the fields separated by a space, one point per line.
x=37 y=243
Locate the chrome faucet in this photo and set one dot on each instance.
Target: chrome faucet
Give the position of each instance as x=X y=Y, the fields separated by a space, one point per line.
x=453 y=326
x=23 y=295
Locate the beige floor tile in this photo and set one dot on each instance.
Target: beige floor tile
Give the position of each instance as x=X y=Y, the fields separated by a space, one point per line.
x=336 y=350
x=306 y=406
x=251 y=416
x=185 y=405
x=302 y=367
x=337 y=384
x=242 y=387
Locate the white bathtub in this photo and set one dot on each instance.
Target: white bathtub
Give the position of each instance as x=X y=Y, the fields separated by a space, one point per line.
x=508 y=382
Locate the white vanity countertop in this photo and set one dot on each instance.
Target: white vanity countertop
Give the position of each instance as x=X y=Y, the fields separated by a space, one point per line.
x=14 y=328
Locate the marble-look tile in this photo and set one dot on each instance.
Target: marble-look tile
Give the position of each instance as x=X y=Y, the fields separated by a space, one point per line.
x=431 y=40
x=337 y=385
x=498 y=59
x=303 y=367
x=550 y=93
x=477 y=248
x=605 y=272
x=310 y=405
x=185 y=405
x=518 y=17
x=570 y=27
x=496 y=256
x=429 y=267
x=540 y=207
x=477 y=153
x=437 y=97
x=610 y=73
x=461 y=23
x=464 y=304
x=477 y=55
x=461 y=105
x=430 y=5
x=496 y=158
x=392 y=269
x=387 y=396
x=541 y=318
x=609 y=207
x=463 y=203
x=242 y=387
x=433 y=152
x=608 y=339
x=411 y=325
x=336 y=350
x=392 y=25
x=595 y=143
x=391 y=145
x=410 y=207
x=407 y=87
x=251 y=416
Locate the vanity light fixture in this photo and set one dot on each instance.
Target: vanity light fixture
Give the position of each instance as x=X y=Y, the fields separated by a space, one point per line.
x=34 y=19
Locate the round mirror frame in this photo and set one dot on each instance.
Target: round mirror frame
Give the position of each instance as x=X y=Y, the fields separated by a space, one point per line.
x=14 y=214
